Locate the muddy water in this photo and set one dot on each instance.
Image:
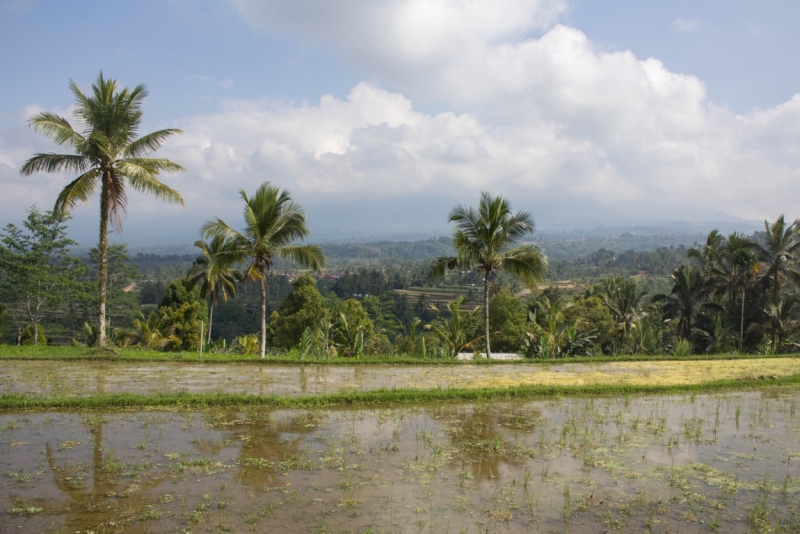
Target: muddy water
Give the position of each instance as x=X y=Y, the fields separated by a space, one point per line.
x=724 y=462
x=86 y=378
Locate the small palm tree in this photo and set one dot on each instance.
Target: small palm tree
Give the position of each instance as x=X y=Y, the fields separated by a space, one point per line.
x=783 y=318
x=153 y=333
x=349 y=333
x=625 y=302
x=215 y=279
x=777 y=255
x=550 y=335
x=273 y=224
x=455 y=331
x=489 y=239
x=106 y=154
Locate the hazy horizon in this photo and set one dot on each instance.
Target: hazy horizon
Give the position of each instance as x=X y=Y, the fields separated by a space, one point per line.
x=379 y=118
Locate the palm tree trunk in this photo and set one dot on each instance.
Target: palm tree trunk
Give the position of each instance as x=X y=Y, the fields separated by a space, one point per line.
x=102 y=268
x=486 y=314
x=210 y=319
x=263 y=314
x=741 y=326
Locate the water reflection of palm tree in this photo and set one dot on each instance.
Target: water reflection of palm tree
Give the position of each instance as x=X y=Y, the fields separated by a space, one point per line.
x=485 y=438
x=266 y=439
x=108 y=497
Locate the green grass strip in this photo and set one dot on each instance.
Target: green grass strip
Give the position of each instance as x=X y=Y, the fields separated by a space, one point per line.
x=13 y=352
x=10 y=402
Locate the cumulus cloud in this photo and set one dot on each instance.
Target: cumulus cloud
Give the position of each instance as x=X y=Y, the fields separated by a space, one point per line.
x=412 y=43
x=527 y=107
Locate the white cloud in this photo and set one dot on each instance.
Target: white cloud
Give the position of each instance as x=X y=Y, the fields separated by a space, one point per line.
x=408 y=42
x=374 y=144
x=548 y=117
x=685 y=24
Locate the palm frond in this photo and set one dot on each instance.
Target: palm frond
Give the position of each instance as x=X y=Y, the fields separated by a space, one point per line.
x=309 y=256
x=526 y=262
x=79 y=190
x=56 y=128
x=217 y=226
x=439 y=266
x=50 y=162
x=148 y=143
x=145 y=182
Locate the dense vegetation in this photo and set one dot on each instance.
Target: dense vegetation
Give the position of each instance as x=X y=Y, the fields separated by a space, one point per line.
x=431 y=299
x=399 y=310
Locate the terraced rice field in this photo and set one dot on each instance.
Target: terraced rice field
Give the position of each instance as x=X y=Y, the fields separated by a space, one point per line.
x=724 y=462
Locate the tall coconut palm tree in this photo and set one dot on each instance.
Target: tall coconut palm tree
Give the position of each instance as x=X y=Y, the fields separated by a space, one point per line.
x=215 y=280
x=689 y=291
x=708 y=256
x=778 y=252
x=734 y=272
x=489 y=239
x=273 y=225
x=108 y=155
x=625 y=302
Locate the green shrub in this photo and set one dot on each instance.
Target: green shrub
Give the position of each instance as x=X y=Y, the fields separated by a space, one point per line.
x=26 y=338
x=683 y=348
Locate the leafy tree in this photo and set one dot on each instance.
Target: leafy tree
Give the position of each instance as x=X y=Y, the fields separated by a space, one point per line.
x=38 y=272
x=183 y=310
x=381 y=311
x=33 y=335
x=508 y=321
x=361 y=283
x=590 y=314
x=378 y=344
x=216 y=279
x=107 y=154
x=489 y=239
x=273 y=223
x=302 y=308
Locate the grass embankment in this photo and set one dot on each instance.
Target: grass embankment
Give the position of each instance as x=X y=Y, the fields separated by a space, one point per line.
x=375 y=397
x=14 y=352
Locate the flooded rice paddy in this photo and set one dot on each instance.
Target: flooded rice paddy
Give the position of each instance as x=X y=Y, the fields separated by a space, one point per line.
x=726 y=462
x=86 y=378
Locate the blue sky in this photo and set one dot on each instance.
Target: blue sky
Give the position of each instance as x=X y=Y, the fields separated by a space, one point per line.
x=379 y=116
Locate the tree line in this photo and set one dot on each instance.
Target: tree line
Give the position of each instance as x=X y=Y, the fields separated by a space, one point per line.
x=732 y=293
